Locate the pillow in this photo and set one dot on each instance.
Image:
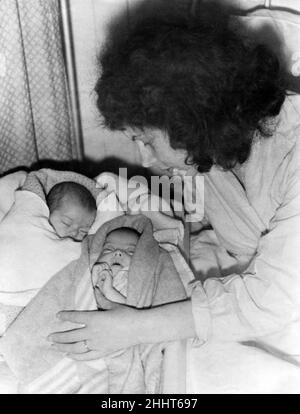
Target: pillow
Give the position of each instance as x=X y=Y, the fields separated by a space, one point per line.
x=287 y=27
x=8 y=185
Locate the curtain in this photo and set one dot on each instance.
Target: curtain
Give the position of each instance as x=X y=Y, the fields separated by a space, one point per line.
x=35 y=116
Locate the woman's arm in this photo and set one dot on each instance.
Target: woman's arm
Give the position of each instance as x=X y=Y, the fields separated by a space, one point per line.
x=109 y=331
x=169 y=323
x=265 y=299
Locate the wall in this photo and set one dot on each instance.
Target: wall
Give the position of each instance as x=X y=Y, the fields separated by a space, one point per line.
x=89 y=20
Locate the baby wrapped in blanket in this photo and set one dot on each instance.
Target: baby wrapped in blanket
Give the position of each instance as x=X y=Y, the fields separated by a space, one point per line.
x=151 y=280
x=110 y=272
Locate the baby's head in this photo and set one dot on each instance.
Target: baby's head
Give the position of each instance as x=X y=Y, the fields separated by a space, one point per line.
x=118 y=248
x=110 y=272
x=72 y=210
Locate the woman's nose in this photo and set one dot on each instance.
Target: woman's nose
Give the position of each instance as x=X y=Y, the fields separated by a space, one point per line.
x=147 y=154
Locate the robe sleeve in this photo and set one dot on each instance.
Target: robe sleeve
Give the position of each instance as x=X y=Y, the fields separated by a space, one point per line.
x=265 y=298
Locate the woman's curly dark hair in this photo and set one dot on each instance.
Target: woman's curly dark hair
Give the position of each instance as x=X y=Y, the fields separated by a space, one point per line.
x=202 y=82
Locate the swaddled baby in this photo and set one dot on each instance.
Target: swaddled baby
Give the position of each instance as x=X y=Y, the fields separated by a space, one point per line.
x=110 y=272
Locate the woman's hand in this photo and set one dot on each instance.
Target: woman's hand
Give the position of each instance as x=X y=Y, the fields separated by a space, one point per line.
x=109 y=331
x=103 y=333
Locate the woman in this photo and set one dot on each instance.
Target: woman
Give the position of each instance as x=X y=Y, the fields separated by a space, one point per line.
x=202 y=96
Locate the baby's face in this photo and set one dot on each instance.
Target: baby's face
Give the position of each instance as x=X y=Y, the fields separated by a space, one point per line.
x=71 y=220
x=118 y=250
x=117 y=253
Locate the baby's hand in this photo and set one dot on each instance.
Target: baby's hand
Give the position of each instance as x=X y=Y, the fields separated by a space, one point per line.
x=105 y=283
x=102 y=276
x=109 y=291
x=101 y=267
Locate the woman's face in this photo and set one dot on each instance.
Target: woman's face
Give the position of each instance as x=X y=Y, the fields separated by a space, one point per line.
x=156 y=150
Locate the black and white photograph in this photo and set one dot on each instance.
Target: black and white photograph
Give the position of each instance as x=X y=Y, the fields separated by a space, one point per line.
x=149 y=199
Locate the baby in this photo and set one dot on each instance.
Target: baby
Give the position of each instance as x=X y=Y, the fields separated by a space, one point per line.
x=72 y=210
x=110 y=272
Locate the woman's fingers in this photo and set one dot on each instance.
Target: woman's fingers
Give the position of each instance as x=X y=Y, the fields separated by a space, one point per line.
x=77 y=348
x=73 y=316
x=87 y=356
x=68 y=337
x=84 y=318
x=102 y=333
